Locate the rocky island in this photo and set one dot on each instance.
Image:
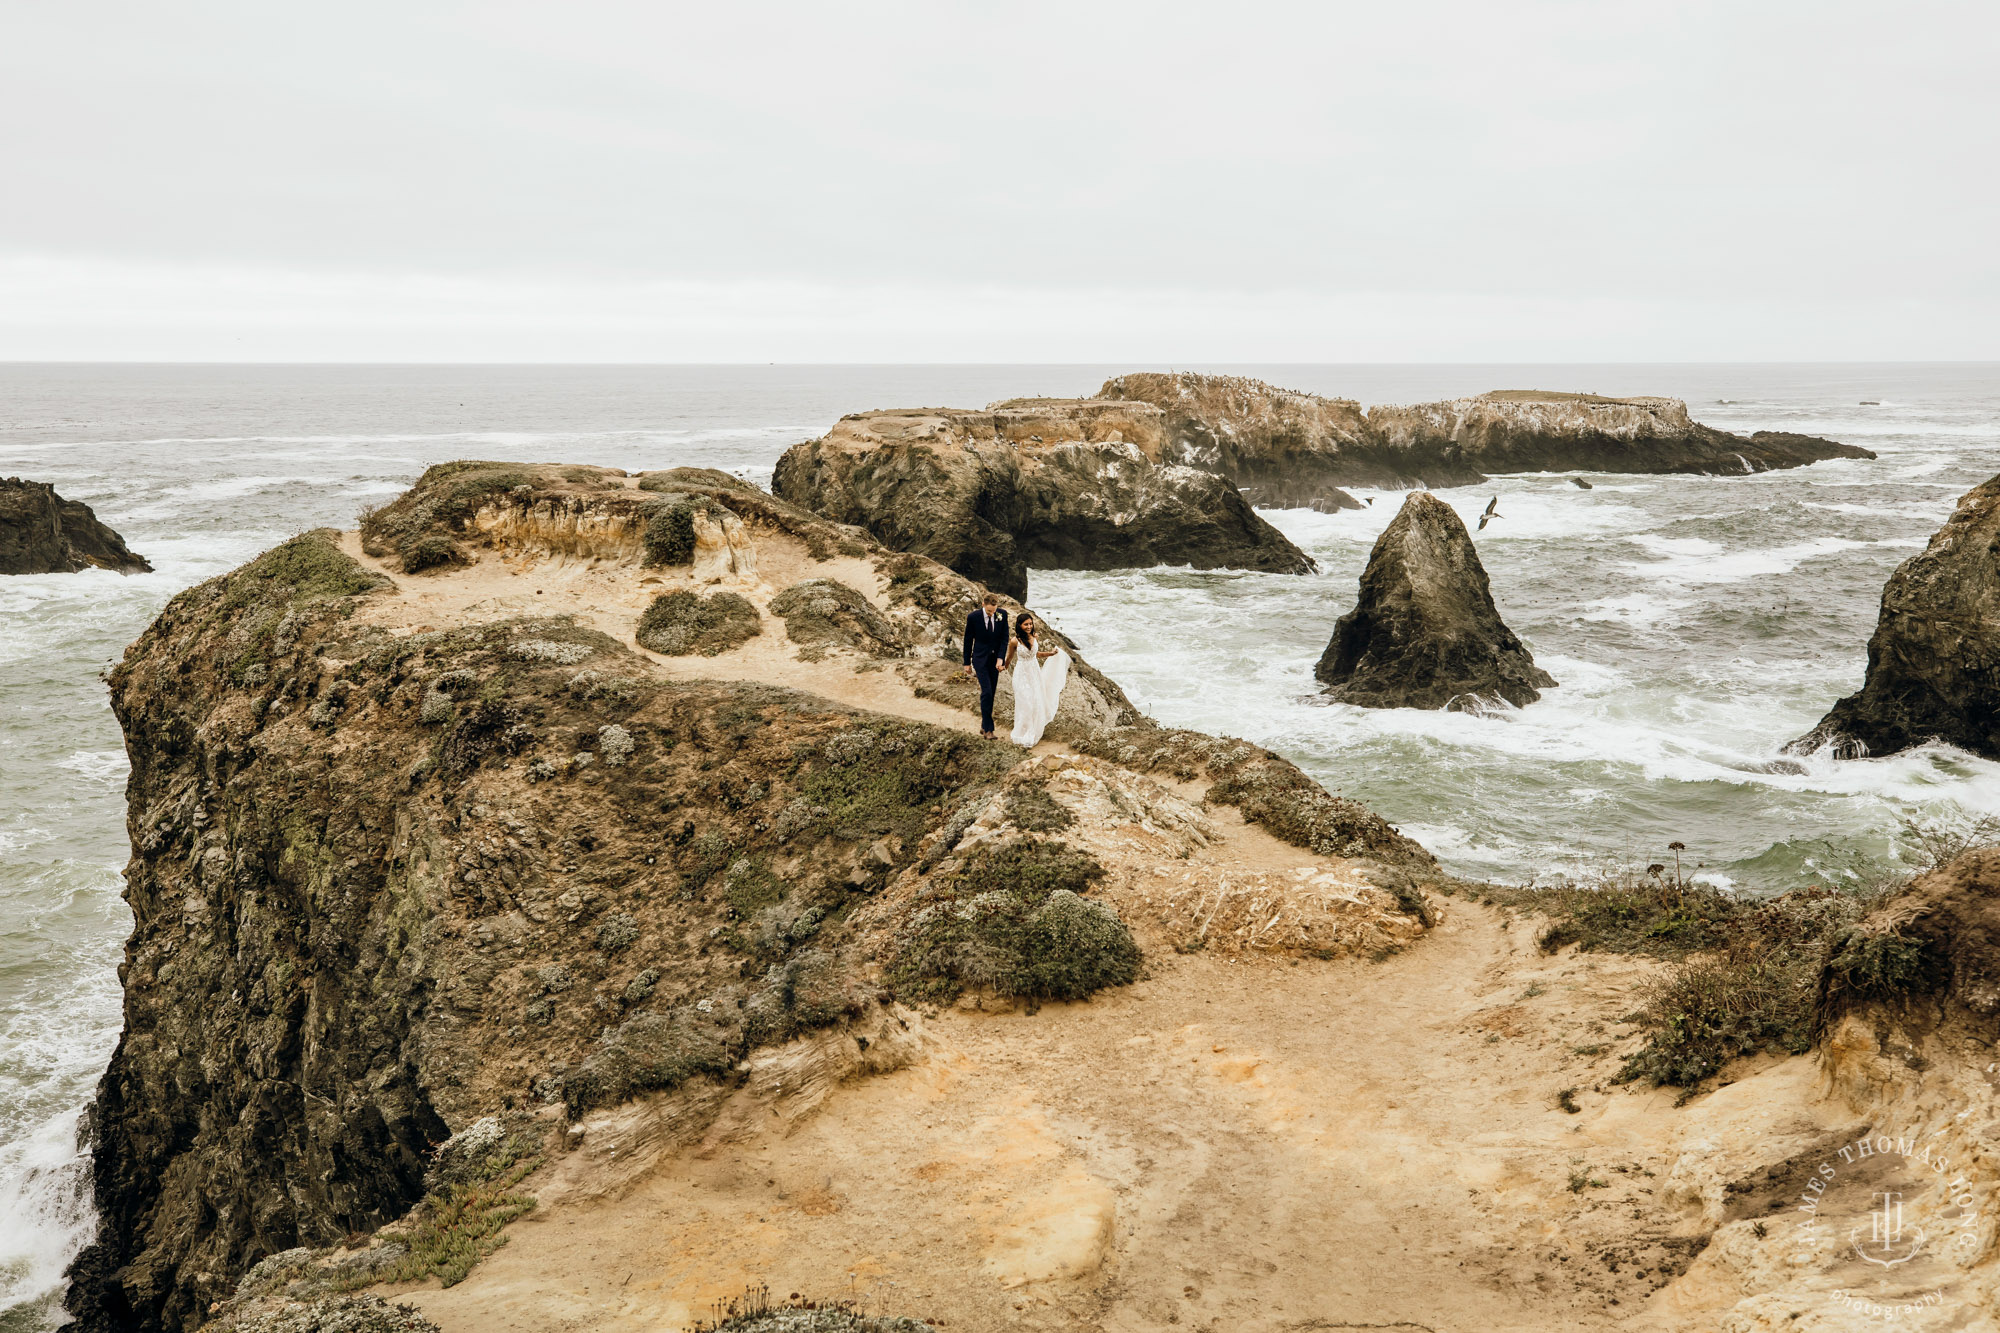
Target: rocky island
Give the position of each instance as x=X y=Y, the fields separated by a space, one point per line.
x=1287 y=449
x=1424 y=632
x=1051 y=483
x=42 y=533
x=1934 y=660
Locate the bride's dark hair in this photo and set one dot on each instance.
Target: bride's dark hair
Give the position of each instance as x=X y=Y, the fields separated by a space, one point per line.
x=1025 y=616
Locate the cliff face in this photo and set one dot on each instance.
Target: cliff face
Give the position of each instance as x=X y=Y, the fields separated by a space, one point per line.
x=1290 y=449
x=422 y=837
x=1934 y=659
x=42 y=533
x=1283 y=449
x=1058 y=484
x=1424 y=632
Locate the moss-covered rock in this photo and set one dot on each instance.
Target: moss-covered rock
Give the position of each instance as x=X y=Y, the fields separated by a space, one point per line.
x=826 y=613
x=681 y=623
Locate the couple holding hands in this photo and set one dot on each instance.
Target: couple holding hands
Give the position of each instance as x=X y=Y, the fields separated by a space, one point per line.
x=1039 y=672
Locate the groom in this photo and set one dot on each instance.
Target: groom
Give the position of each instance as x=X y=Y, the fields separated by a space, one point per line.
x=985 y=645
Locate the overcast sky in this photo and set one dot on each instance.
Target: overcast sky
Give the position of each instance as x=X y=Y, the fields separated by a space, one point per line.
x=583 y=181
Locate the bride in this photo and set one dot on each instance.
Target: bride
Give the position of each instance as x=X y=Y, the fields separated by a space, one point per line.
x=1039 y=676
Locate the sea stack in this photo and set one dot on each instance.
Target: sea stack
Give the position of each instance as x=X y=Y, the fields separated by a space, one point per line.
x=1050 y=483
x=42 y=533
x=1425 y=633
x=1934 y=662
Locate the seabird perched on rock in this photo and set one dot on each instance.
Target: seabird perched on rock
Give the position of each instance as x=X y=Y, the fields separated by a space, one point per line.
x=1492 y=512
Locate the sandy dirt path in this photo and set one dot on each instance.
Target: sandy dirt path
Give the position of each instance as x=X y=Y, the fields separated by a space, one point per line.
x=1228 y=1144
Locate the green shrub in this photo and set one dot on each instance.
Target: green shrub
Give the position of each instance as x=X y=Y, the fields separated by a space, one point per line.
x=432 y=552
x=669 y=538
x=308 y=568
x=1710 y=1010
x=649 y=1052
x=1012 y=919
x=347 y=1314
x=1747 y=970
x=1873 y=965
x=871 y=781
x=826 y=613
x=749 y=888
x=466 y=497
x=1631 y=914
x=681 y=623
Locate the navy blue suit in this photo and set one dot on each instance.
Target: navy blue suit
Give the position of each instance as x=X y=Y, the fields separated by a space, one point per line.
x=984 y=649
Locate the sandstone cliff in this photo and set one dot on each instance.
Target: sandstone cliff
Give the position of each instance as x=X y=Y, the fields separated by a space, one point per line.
x=1424 y=632
x=447 y=887
x=42 y=533
x=1054 y=483
x=1934 y=660
x=1290 y=449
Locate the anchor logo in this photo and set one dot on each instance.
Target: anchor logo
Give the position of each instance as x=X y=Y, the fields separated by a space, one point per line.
x=1887 y=1239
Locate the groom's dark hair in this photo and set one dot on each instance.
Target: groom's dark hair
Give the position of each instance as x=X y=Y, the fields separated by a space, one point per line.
x=990 y=599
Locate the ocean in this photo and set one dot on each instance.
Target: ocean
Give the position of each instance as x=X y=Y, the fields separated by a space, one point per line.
x=1694 y=624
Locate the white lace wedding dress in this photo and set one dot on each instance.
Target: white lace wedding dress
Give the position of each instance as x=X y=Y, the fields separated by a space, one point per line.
x=1038 y=688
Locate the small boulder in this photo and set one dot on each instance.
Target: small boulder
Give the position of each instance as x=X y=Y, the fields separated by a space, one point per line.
x=1425 y=633
x=42 y=533
x=1934 y=662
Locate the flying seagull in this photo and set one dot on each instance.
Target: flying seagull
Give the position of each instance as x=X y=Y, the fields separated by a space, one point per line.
x=1492 y=512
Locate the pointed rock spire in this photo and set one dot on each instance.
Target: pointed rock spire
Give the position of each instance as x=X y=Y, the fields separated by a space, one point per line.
x=1425 y=633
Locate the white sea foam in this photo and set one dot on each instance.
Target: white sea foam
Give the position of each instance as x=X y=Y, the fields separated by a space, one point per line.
x=98 y=765
x=1635 y=608
x=45 y=1214
x=1698 y=560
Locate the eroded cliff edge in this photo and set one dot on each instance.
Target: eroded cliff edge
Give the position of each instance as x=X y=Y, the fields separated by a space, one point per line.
x=424 y=836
